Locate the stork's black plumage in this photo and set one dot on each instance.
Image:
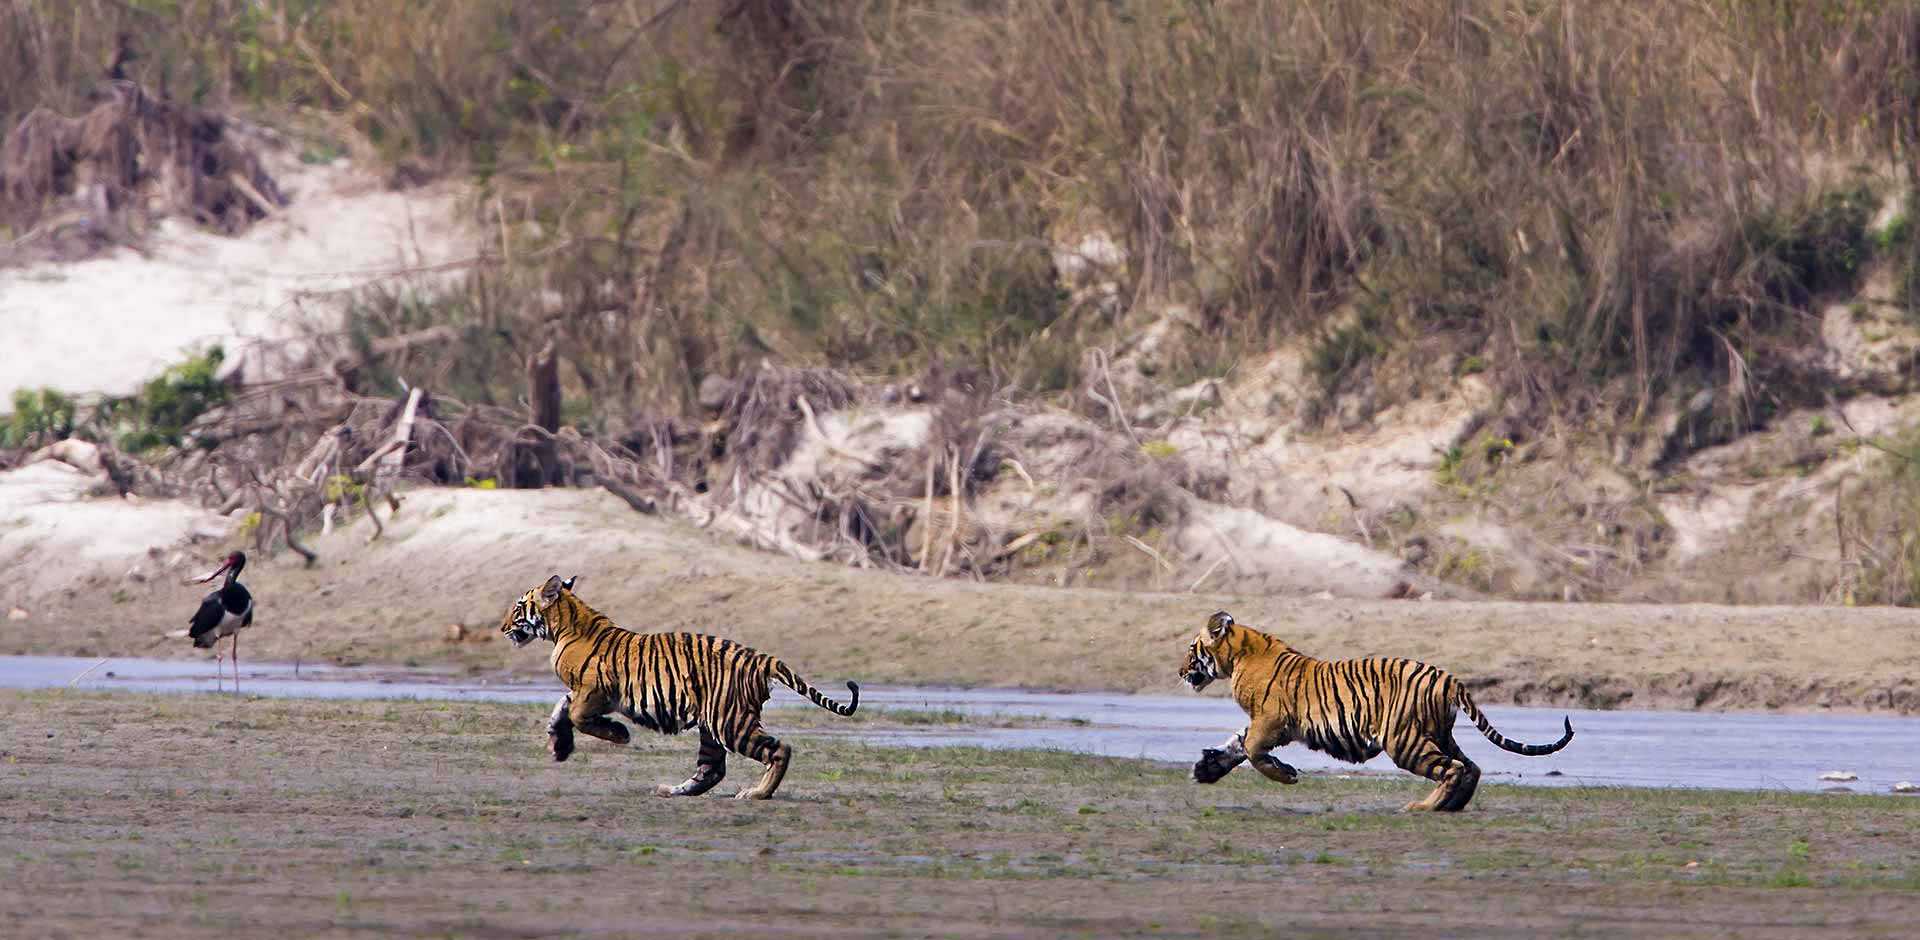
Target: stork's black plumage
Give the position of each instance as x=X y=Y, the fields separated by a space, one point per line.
x=223 y=612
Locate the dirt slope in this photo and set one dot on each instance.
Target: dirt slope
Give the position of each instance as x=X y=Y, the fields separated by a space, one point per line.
x=460 y=556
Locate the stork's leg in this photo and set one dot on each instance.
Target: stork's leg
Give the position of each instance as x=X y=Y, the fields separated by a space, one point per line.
x=219 y=668
x=236 y=662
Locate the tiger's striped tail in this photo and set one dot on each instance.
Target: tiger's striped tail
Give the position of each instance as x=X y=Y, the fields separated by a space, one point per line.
x=791 y=681
x=1500 y=740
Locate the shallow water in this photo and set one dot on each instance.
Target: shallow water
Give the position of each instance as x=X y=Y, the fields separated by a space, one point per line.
x=1615 y=748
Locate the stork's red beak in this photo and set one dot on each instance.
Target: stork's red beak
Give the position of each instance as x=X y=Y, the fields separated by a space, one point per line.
x=217 y=572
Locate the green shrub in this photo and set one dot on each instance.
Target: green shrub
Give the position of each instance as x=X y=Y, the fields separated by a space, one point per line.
x=159 y=414
x=1345 y=348
x=1814 y=249
x=39 y=417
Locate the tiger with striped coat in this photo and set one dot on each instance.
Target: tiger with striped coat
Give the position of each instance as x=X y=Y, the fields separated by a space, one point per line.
x=667 y=682
x=1351 y=709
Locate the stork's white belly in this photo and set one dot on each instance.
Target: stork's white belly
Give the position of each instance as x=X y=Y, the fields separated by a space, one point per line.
x=230 y=621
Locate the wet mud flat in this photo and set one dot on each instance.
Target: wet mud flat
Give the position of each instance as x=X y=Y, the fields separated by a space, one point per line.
x=196 y=815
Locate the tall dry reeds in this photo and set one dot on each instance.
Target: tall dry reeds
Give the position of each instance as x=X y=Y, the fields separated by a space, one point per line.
x=1603 y=203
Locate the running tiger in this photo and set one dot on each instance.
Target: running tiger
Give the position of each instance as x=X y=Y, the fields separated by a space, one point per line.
x=1352 y=709
x=668 y=682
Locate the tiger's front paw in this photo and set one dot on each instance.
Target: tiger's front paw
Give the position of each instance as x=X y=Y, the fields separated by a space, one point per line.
x=560 y=742
x=1211 y=766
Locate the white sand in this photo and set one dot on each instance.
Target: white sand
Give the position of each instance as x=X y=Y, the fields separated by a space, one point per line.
x=109 y=323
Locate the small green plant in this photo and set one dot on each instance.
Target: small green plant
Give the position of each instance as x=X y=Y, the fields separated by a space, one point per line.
x=1819 y=248
x=1471 y=566
x=1448 y=472
x=1895 y=234
x=321 y=152
x=1345 y=348
x=1790 y=876
x=160 y=414
x=1159 y=450
x=483 y=483
x=919 y=716
x=1820 y=427
x=1472 y=365
x=39 y=417
x=341 y=486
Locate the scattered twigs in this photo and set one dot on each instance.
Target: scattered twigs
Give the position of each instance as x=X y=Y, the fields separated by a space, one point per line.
x=1015 y=545
x=952 y=540
x=389 y=447
x=1359 y=519
x=1195 y=586
x=629 y=495
x=813 y=424
x=1870 y=442
x=1112 y=399
x=86 y=672
x=926 y=520
x=288 y=532
x=1022 y=471
x=402 y=435
x=1151 y=553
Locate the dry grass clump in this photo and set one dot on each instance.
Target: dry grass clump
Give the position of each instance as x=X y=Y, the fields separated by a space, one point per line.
x=132 y=153
x=1877 y=529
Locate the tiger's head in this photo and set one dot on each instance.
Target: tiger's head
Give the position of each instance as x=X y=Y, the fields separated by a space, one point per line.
x=1205 y=662
x=526 y=620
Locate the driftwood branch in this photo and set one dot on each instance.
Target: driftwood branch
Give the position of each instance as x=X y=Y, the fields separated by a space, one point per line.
x=813 y=424
x=629 y=495
x=287 y=530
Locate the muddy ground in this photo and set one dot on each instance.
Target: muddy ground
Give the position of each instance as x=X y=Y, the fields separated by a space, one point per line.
x=165 y=816
x=461 y=556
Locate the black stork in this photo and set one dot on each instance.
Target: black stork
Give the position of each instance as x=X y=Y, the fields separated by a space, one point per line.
x=223 y=612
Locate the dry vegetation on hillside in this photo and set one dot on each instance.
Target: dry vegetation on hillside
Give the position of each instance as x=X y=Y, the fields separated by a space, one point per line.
x=1605 y=210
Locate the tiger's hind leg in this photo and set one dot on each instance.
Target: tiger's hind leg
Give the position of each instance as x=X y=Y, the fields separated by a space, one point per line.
x=1441 y=761
x=710 y=769
x=756 y=743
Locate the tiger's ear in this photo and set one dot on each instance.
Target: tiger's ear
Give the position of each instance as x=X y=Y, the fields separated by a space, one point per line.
x=550 y=592
x=568 y=583
x=1218 y=624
